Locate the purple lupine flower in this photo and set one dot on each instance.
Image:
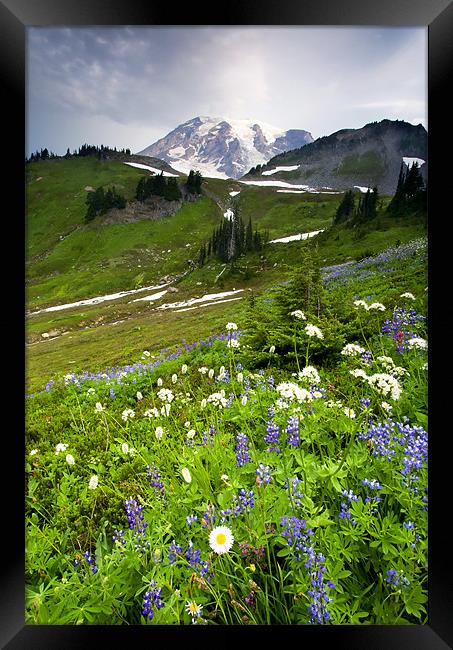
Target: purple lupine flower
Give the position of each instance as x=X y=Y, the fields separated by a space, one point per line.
x=242 y=455
x=173 y=550
x=135 y=516
x=190 y=519
x=292 y=429
x=297 y=536
x=152 y=600
x=263 y=474
x=295 y=495
x=209 y=517
x=272 y=437
x=318 y=593
x=208 y=436
x=193 y=556
x=90 y=561
x=119 y=540
x=396 y=578
x=156 y=482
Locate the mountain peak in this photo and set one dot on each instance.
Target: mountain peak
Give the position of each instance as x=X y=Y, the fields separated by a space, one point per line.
x=224 y=147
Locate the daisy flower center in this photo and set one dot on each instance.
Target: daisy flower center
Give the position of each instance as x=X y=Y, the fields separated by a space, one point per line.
x=220 y=538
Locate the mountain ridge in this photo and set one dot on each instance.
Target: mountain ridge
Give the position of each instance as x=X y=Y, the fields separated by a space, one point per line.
x=369 y=156
x=223 y=147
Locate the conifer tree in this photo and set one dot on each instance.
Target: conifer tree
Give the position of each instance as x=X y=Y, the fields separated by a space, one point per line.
x=346 y=208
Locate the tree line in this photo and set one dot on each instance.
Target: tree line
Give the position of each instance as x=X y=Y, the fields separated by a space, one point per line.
x=99 y=201
x=232 y=239
x=409 y=197
x=101 y=152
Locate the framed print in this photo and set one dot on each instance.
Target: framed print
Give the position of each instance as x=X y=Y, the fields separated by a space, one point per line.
x=232 y=233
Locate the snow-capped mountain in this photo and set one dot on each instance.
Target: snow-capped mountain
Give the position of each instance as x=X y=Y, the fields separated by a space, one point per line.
x=224 y=148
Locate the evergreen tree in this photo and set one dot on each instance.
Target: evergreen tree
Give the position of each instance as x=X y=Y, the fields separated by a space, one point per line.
x=346 y=208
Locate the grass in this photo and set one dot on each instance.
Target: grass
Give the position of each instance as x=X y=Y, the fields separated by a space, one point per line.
x=368 y=527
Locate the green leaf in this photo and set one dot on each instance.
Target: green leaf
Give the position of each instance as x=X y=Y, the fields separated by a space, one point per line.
x=284 y=552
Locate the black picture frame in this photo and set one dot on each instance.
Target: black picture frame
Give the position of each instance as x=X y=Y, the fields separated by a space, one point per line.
x=437 y=17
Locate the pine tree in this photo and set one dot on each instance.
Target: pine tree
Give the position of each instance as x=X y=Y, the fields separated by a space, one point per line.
x=346 y=208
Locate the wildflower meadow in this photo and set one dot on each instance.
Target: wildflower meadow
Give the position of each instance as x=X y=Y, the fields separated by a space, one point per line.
x=276 y=473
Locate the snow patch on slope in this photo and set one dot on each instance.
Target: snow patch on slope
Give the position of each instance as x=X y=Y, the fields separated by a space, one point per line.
x=152 y=169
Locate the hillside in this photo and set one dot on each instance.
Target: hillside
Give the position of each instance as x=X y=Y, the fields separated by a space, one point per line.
x=362 y=157
x=107 y=271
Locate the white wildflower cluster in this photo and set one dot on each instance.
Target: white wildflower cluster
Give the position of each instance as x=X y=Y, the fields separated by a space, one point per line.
x=374 y=305
x=90 y=391
x=309 y=373
x=233 y=343
x=386 y=385
x=184 y=398
x=298 y=314
x=389 y=365
x=139 y=395
x=222 y=374
x=93 y=483
x=165 y=395
x=386 y=362
x=358 y=372
x=60 y=447
x=407 y=294
x=127 y=450
x=203 y=370
x=184 y=369
x=146 y=354
x=218 y=399
x=331 y=404
x=34 y=452
x=165 y=409
x=312 y=330
x=69 y=378
x=382 y=382
x=127 y=414
x=191 y=434
x=386 y=406
x=70 y=459
x=293 y=393
x=418 y=343
x=350 y=413
x=151 y=413
x=98 y=407
x=231 y=326
x=352 y=350
x=159 y=432
x=174 y=378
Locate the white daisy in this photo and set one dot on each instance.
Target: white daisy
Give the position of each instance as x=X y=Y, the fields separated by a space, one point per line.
x=193 y=609
x=221 y=539
x=34 y=451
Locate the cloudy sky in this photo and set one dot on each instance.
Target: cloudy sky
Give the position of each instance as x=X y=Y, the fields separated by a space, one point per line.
x=129 y=86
